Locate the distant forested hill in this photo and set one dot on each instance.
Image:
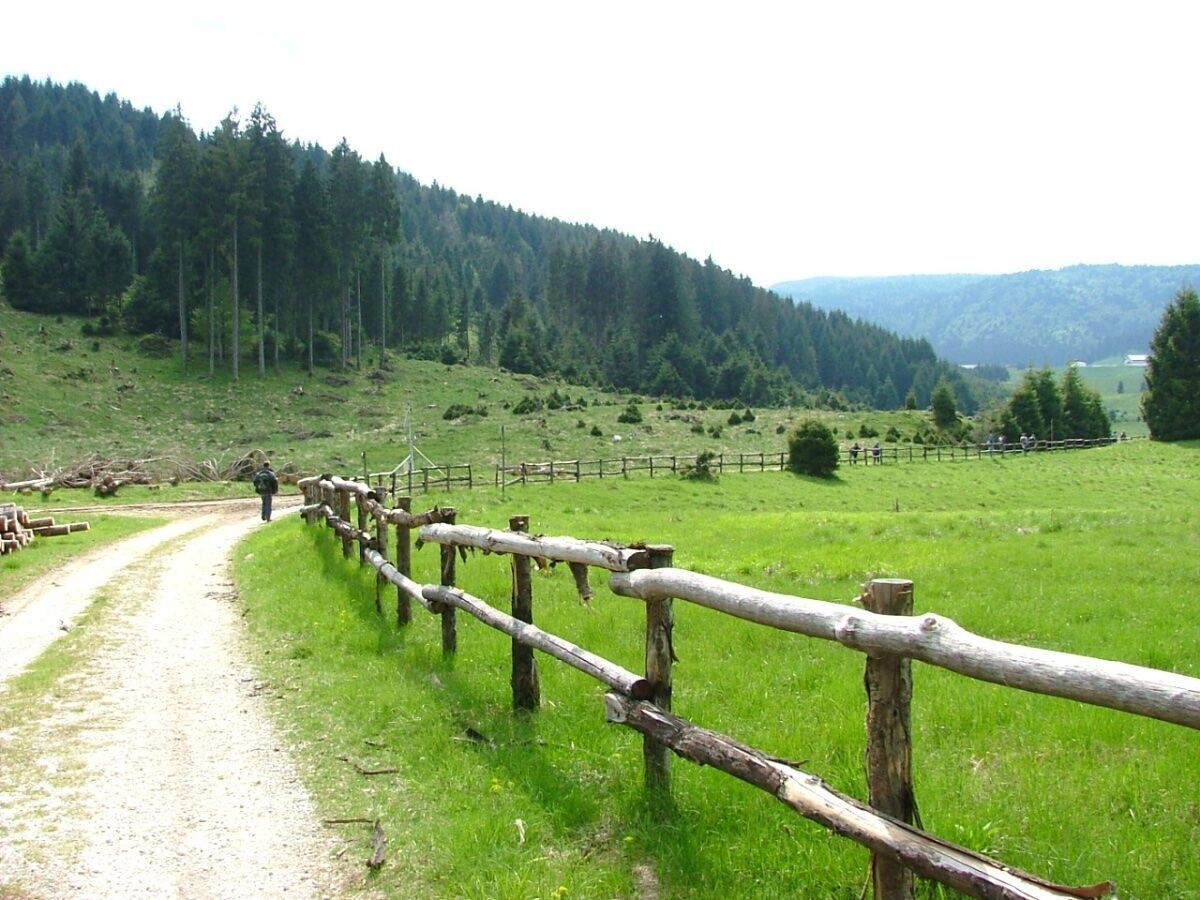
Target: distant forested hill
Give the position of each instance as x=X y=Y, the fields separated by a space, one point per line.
x=250 y=249
x=1031 y=318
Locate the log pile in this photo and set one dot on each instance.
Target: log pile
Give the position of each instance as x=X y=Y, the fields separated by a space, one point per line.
x=17 y=529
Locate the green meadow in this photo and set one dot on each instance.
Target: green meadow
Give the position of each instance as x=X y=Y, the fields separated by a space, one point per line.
x=1093 y=552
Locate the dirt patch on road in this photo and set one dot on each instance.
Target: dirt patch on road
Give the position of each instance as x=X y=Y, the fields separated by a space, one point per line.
x=150 y=767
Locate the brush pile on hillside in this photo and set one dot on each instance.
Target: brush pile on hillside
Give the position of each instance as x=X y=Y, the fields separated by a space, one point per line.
x=105 y=474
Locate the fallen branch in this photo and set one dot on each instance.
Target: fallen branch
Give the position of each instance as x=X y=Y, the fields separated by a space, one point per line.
x=377 y=858
x=361 y=770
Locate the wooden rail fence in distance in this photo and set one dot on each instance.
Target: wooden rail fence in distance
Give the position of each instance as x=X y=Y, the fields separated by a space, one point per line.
x=462 y=476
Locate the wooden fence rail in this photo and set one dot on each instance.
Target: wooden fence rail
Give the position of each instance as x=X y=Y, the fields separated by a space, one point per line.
x=461 y=476
x=886 y=632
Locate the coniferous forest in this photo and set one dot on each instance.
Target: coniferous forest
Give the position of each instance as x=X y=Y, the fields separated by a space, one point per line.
x=251 y=250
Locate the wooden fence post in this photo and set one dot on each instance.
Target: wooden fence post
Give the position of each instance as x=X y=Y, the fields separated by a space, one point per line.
x=381 y=544
x=526 y=689
x=889 y=748
x=343 y=506
x=660 y=653
x=449 y=555
x=360 y=506
x=403 y=563
x=328 y=498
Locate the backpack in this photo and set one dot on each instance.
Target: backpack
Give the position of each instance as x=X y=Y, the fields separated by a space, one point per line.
x=264 y=482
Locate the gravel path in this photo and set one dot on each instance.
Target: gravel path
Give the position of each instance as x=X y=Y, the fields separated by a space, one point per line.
x=156 y=771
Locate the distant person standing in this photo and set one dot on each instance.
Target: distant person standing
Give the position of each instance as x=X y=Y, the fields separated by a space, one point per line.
x=854 y=448
x=877 y=453
x=267 y=486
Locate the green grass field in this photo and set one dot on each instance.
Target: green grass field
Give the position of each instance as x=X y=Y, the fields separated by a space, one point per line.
x=1094 y=552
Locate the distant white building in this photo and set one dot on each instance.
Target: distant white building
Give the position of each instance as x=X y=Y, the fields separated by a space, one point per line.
x=1137 y=359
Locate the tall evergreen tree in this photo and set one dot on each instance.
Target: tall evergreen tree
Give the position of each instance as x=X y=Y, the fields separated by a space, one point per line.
x=267 y=177
x=227 y=173
x=945 y=413
x=348 y=206
x=172 y=204
x=19 y=282
x=314 y=251
x=383 y=225
x=1171 y=404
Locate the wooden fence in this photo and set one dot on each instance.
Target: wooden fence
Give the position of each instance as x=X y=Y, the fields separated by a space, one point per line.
x=886 y=631
x=464 y=476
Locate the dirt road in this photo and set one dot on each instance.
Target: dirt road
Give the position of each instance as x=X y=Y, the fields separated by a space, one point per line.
x=151 y=769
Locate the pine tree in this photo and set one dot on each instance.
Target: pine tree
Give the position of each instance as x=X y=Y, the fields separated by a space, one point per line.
x=314 y=253
x=1171 y=404
x=18 y=272
x=384 y=225
x=945 y=414
x=172 y=205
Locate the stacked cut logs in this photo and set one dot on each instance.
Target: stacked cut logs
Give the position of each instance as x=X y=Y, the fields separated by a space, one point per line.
x=17 y=530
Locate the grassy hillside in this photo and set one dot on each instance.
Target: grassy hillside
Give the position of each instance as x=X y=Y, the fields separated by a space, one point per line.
x=1091 y=552
x=66 y=396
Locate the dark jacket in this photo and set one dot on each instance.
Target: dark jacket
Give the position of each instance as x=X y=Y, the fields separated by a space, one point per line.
x=265 y=481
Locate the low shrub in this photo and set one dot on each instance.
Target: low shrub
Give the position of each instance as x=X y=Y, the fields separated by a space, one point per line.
x=631 y=415
x=526 y=405
x=702 y=469
x=812 y=450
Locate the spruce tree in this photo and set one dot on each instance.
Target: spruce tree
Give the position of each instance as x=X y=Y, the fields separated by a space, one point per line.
x=1171 y=404
x=945 y=414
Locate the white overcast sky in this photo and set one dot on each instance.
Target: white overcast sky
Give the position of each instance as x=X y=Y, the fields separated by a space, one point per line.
x=786 y=140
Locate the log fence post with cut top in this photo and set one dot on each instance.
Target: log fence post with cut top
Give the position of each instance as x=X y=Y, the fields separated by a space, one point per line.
x=360 y=506
x=343 y=508
x=404 y=563
x=660 y=653
x=889 y=747
x=381 y=544
x=449 y=555
x=526 y=690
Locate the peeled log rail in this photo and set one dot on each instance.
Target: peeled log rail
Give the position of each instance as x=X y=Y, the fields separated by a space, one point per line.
x=936 y=640
x=565 y=549
x=962 y=869
x=53 y=530
x=412 y=520
x=599 y=668
x=333 y=481
x=398 y=578
x=23 y=485
x=347 y=531
x=371 y=504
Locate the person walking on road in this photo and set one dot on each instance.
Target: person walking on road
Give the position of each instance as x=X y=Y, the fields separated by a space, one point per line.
x=267 y=486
